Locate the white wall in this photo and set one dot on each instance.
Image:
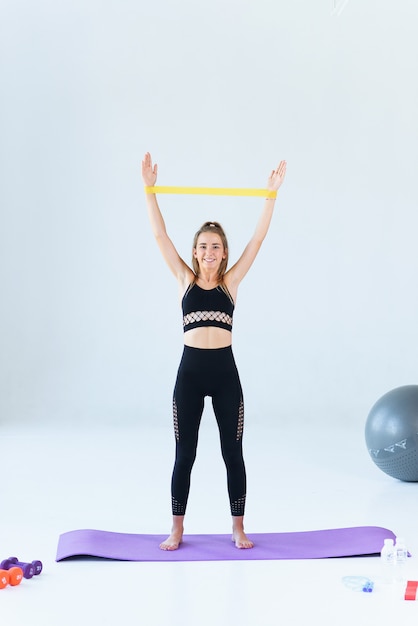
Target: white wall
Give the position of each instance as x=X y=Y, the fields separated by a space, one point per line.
x=218 y=91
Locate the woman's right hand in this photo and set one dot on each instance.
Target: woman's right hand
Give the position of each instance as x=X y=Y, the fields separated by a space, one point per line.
x=149 y=173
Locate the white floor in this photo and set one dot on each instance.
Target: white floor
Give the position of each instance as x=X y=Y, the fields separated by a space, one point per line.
x=300 y=477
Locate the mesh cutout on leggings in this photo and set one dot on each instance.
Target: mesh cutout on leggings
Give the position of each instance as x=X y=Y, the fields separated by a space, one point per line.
x=238 y=506
x=175 y=421
x=177 y=508
x=240 y=426
x=205 y=316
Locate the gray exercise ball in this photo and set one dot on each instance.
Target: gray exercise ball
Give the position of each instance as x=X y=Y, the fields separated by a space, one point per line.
x=392 y=433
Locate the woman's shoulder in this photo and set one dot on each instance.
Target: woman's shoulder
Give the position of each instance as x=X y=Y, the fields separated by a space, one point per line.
x=230 y=286
x=186 y=283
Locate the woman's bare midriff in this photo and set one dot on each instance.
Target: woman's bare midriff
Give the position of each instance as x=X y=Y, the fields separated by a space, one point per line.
x=208 y=337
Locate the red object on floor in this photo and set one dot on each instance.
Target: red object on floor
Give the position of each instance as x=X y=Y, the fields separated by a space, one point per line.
x=411 y=590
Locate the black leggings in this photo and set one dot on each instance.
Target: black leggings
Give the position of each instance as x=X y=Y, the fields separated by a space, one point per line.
x=206 y=372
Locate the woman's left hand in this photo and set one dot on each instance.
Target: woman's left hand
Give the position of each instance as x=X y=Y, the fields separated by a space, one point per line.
x=277 y=177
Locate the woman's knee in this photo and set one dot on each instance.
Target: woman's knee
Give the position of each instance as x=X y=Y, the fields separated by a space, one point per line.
x=233 y=457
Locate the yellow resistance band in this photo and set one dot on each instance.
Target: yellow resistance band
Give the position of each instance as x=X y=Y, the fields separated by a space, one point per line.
x=213 y=191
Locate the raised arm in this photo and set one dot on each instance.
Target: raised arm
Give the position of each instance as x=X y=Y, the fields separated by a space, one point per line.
x=237 y=272
x=180 y=269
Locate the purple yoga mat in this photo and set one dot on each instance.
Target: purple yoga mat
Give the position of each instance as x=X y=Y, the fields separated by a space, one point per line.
x=315 y=544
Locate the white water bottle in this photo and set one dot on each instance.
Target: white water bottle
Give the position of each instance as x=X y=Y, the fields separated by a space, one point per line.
x=387 y=558
x=401 y=556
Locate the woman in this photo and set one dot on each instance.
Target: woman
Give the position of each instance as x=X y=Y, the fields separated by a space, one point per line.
x=207 y=367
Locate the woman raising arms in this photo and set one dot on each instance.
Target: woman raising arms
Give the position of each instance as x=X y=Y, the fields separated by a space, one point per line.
x=207 y=367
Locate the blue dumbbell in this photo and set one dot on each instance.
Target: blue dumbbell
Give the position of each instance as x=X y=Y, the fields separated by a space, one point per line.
x=29 y=569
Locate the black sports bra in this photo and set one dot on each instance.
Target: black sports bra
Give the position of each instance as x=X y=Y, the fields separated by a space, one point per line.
x=207 y=307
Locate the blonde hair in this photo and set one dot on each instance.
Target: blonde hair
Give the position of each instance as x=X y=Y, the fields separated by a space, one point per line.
x=212 y=227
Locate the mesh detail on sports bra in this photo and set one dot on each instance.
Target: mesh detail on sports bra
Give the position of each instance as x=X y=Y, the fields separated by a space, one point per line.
x=204 y=316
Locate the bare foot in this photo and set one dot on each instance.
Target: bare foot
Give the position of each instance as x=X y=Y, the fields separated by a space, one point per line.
x=238 y=535
x=173 y=541
x=241 y=540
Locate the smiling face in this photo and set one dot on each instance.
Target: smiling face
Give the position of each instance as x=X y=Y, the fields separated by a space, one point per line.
x=209 y=252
